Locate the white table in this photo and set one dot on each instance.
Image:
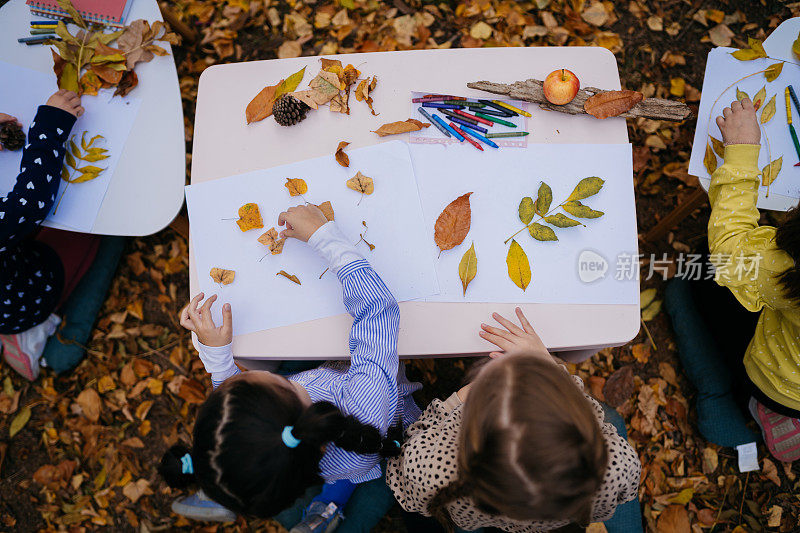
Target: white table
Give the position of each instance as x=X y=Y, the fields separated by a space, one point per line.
x=224 y=145
x=146 y=190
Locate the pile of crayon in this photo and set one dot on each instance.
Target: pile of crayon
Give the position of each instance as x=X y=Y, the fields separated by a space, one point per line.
x=468 y=119
x=41 y=31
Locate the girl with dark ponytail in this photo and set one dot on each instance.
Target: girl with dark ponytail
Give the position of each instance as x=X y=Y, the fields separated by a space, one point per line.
x=262 y=439
x=522 y=448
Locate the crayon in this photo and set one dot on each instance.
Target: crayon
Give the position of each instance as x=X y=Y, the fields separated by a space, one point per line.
x=464 y=103
x=507 y=134
x=480 y=137
x=465 y=123
x=429 y=99
x=36 y=39
x=473 y=143
x=41 y=31
x=516 y=110
x=451 y=130
x=506 y=111
x=453 y=114
x=44 y=23
x=50 y=27
x=429 y=117
x=474 y=117
x=495 y=119
x=495 y=113
x=440 y=106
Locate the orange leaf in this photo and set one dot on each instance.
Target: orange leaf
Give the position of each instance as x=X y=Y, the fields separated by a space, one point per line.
x=288 y=276
x=90 y=403
x=260 y=107
x=249 y=217
x=402 y=126
x=453 y=224
x=191 y=391
x=296 y=186
x=220 y=275
x=270 y=240
x=341 y=157
x=611 y=103
x=674 y=519
x=327 y=210
x=361 y=183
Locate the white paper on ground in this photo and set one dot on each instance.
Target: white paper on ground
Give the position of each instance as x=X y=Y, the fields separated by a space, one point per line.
x=722 y=70
x=260 y=299
x=499 y=179
x=22 y=91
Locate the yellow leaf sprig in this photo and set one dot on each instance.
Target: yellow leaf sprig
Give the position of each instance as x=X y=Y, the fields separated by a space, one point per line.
x=72 y=172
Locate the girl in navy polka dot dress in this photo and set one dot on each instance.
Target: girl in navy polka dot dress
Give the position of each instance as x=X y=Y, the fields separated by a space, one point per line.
x=32 y=275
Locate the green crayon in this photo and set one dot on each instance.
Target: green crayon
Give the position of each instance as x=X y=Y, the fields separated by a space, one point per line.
x=495 y=119
x=507 y=134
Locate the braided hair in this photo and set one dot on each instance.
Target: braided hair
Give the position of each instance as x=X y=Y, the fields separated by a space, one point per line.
x=240 y=459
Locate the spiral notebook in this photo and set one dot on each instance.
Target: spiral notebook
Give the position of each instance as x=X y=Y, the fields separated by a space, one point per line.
x=106 y=12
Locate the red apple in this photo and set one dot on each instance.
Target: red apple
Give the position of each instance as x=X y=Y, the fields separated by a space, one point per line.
x=561 y=86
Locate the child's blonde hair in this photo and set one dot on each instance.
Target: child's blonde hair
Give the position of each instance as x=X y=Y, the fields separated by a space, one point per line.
x=530 y=446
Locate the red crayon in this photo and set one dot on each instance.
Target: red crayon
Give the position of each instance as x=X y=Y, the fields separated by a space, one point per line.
x=473 y=117
x=432 y=98
x=466 y=137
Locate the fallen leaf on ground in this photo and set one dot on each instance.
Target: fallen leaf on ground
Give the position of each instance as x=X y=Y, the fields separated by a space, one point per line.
x=402 y=126
x=296 y=186
x=136 y=489
x=90 y=403
x=341 y=157
x=641 y=352
x=611 y=103
x=220 y=275
x=519 y=269
x=19 y=421
x=468 y=267
x=619 y=386
x=674 y=519
x=775 y=515
x=770 y=471
x=288 y=276
x=453 y=224
x=270 y=240
x=249 y=217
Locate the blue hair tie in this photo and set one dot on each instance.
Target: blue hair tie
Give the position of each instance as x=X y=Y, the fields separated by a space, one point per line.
x=186 y=464
x=288 y=439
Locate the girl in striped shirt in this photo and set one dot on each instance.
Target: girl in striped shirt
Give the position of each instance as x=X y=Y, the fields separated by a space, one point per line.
x=261 y=439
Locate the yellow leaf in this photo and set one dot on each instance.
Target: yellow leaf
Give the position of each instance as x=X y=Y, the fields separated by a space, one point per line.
x=19 y=421
x=519 y=269
x=271 y=240
x=769 y=111
x=70 y=163
x=756 y=45
x=773 y=71
x=88 y=173
x=579 y=210
x=288 y=276
x=249 y=217
x=468 y=267
x=710 y=160
x=220 y=275
x=741 y=95
x=746 y=54
x=361 y=183
x=586 y=187
x=541 y=232
x=480 y=30
x=543 y=199
x=296 y=186
x=651 y=311
x=74 y=149
x=560 y=220
x=770 y=172
x=526 y=210
x=646 y=297
x=719 y=147
x=289 y=84
x=92 y=158
x=683 y=497
x=677 y=87
x=759 y=97
x=796 y=46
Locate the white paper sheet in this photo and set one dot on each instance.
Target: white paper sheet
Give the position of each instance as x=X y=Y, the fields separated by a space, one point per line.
x=260 y=299
x=499 y=179
x=22 y=91
x=722 y=70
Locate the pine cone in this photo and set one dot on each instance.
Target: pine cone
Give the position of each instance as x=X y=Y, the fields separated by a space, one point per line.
x=288 y=110
x=11 y=136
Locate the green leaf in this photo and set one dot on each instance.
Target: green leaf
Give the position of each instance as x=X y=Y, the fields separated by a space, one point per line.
x=19 y=421
x=468 y=267
x=579 y=210
x=719 y=148
x=290 y=83
x=526 y=210
x=519 y=269
x=651 y=311
x=543 y=199
x=773 y=71
x=770 y=172
x=586 y=187
x=560 y=220
x=542 y=233
x=646 y=297
x=741 y=95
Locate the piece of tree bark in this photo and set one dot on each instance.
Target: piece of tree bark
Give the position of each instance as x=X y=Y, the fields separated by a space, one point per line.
x=532 y=91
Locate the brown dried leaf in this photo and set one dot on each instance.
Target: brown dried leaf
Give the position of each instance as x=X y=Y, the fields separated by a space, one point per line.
x=453 y=224
x=290 y=277
x=611 y=103
x=90 y=403
x=220 y=275
x=363 y=91
x=191 y=391
x=674 y=519
x=341 y=157
x=402 y=126
x=136 y=489
x=770 y=471
x=270 y=240
x=128 y=82
x=249 y=217
x=327 y=210
x=260 y=107
x=619 y=387
x=361 y=183
x=296 y=186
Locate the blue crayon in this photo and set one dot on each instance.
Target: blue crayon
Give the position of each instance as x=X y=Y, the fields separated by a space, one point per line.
x=441 y=106
x=468 y=124
x=429 y=117
x=443 y=124
x=471 y=131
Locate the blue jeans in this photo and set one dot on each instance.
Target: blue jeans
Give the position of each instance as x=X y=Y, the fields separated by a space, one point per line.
x=628 y=516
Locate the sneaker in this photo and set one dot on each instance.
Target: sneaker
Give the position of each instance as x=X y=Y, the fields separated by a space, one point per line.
x=198 y=506
x=319 y=517
x=781 y=433
x=22 y=351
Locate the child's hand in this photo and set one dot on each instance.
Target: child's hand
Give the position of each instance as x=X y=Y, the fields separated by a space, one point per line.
x=301 y=221
x=66 y=100
x=738 y=124
x=515 y=340
x=200 y=322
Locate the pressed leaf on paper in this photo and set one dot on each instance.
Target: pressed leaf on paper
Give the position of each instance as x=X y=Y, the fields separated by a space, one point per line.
x=402 y=126
x=543 y=199
x=468 y=267
x=453 y=223
x=271 y=240
x=220 y=275
x=759 y=97
x=71 y=172
x=748 y=54
x=611 y=103
x=296 y=186
x=327 y=210
x=577 y=209
x=249 y=217
x=741 y=95
x=361 y=183
x=341 y=157
x=586 y=187
x=773 y=71
x=541 y=232
x=710 y=160
x=519 y=269
x=526 y=210
x=290 y=277
x=770 y=172
x=796 y=46
x=560 y=220
x=768 y=112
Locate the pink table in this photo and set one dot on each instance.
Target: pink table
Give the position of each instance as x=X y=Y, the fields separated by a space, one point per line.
x=224 y=145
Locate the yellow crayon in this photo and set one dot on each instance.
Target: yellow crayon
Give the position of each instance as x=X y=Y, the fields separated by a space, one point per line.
x=788 y=107
x=44 y=26
x=512 y=108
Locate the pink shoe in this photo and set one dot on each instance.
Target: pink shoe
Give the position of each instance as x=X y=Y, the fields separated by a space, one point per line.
x=781 y=433
x=13 y=354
